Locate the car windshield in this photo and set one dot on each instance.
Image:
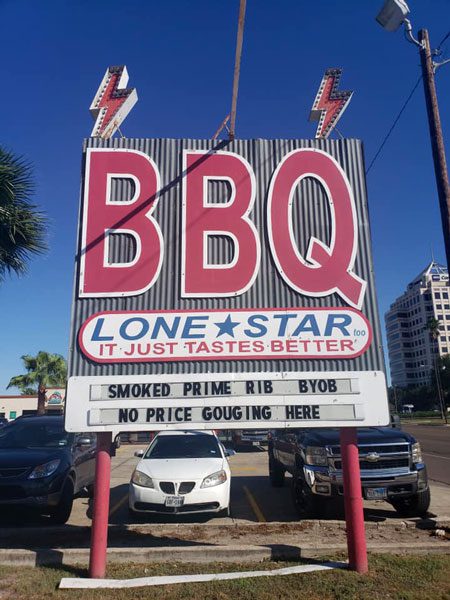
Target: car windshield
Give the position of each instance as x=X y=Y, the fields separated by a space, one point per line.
x=184 y=446
x=33 y=435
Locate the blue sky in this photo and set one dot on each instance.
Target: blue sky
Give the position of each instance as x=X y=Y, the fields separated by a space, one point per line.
x=180 y=57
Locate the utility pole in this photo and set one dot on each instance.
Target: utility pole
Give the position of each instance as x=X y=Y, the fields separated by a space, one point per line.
x=440 y=164
x=437 y=140
x=237 y=68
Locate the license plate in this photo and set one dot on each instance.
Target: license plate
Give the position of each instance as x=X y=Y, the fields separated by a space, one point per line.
x=174 y=501
x=376 y=493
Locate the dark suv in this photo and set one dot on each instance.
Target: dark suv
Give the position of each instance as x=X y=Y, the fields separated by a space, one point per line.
x=43 y=467
x=390 y=460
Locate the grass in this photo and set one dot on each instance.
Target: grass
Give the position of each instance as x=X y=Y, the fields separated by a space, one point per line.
x=390 y=577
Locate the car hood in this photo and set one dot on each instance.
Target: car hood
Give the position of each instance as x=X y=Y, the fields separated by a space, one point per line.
x=366 y=435
x=180 y=469
x=27 y=457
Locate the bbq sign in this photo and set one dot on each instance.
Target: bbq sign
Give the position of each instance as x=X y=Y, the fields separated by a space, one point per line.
x=200 y=259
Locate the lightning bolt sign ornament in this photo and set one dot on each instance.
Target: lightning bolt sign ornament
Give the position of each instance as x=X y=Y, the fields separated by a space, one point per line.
x=112 y=102
x=329 y=104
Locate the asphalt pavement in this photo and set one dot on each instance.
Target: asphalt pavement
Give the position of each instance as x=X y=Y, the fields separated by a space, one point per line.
x=435 y=443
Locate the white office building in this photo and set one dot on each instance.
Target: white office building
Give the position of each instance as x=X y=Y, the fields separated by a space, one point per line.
x=411 y=350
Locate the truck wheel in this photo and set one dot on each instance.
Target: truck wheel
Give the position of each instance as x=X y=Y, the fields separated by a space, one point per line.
x=276 y=473
x=61 y=512
x=307 y=504
x=416 y=505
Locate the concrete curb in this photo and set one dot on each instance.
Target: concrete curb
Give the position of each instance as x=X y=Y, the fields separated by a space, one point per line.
x=204 y=554
x=273 y=526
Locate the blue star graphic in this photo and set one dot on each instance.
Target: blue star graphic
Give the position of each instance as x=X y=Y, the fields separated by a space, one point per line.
x=226 y=326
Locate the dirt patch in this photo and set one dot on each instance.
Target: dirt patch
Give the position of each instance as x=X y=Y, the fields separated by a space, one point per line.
x=308 y=533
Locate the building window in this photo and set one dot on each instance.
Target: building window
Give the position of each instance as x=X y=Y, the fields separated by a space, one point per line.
x=437 y=294
x=443 y=339
x=446 y=306
x=444 y=350
x=445 y=295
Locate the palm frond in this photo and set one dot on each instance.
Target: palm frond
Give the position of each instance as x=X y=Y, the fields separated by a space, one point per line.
x=23 y=227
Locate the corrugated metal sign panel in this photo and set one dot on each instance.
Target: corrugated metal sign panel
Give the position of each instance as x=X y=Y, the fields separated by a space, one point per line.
x=310 y=218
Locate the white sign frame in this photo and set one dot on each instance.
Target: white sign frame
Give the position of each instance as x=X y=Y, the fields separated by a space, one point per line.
x=93 y=413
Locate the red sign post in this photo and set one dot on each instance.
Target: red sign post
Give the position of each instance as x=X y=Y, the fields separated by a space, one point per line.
x=354 y=513
x=100 y=513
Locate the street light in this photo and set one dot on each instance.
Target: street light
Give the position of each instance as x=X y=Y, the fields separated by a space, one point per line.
x=391 y=17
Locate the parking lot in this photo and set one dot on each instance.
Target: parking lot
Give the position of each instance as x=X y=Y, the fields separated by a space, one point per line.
x=252 y=497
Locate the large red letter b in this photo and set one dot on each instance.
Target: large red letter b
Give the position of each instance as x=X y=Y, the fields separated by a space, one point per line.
x=103 y=217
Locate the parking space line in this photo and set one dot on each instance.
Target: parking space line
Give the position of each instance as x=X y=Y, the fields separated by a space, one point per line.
x=113 y=468
x=235 y=470
x=118 y=505
x=435 y=455
x=251 y=500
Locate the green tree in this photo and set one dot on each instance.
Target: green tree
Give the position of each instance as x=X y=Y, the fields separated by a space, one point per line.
x=42 y=371
x=433 y=327
x=22 y=226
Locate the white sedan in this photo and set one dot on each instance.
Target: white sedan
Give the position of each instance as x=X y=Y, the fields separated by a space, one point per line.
x=182 y=472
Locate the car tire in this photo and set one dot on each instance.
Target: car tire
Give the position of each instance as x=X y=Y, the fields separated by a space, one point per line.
x=306 y=504
x=117 y=441
x=61 y=512
x=277 y=474
x=416 y=505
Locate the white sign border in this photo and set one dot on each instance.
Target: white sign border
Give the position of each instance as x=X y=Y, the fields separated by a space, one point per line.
x=372 y=400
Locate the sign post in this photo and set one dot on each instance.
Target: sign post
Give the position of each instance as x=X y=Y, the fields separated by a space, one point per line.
x=223 y=286
x=354 y=513
x=100 y=513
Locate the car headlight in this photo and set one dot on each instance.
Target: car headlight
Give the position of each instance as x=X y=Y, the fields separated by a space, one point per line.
x=214 y=479
x=44 y=470
x=416 y=453
x=140 y=478
x=316 y=455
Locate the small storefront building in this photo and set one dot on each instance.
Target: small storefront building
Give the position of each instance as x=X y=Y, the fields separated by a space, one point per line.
x=15 y=406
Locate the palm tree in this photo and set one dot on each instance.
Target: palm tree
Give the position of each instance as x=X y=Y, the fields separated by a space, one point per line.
x=22 y=225
x=43 y=370
x=433 y=328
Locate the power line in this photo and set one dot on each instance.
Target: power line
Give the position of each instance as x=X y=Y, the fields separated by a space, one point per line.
x=438 y=50
x=386 y=137
x=443 y=40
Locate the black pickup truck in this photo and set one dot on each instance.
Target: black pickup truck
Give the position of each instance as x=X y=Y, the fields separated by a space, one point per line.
x=391 y=463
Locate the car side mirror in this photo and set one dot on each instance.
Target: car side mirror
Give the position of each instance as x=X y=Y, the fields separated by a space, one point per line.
x=230 y=452
x=83 y=442
x=139 y=453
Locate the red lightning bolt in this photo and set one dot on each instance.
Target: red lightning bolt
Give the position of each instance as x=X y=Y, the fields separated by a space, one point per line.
x=330 y=103
x=112 y=102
